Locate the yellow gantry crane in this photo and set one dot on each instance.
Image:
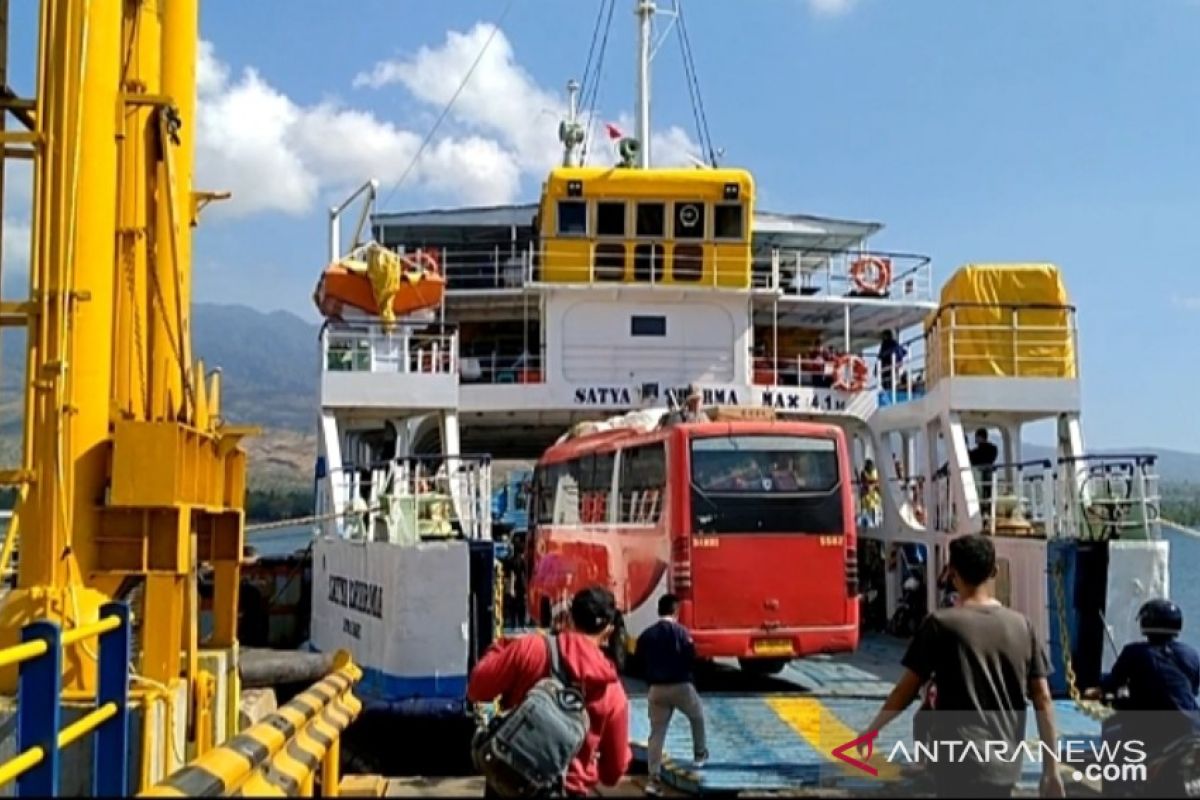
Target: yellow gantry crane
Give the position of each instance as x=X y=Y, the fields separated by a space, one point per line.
x=129 y=481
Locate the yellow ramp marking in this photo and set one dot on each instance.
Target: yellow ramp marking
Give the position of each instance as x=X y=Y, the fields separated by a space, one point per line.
x=823 y=732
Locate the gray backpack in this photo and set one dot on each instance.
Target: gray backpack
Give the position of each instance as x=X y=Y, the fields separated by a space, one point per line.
x=526 y=751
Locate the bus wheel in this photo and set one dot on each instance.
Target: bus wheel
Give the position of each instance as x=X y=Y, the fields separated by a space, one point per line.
x=763 y=666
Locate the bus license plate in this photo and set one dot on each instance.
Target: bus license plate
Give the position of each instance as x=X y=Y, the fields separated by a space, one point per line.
x=773 y=647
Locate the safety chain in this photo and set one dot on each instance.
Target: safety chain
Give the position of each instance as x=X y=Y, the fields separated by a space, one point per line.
x=288 y=523
x=1096 y=711
x=498 y=601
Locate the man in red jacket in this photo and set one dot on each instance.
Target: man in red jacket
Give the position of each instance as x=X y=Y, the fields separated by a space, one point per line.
x=511 y=667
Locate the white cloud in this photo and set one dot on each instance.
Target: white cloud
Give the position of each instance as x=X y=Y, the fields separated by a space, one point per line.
x=830 y=7
x=501 y=98
x=16 y=244
x=1186 y=302
x=275 y=154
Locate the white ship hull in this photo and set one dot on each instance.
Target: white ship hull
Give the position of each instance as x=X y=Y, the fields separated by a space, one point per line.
x=402 y=610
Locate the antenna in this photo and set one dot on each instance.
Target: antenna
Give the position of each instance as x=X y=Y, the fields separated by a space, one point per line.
x=570 y=132
x=645 y=13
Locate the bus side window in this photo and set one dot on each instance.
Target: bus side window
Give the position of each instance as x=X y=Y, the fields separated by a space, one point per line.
x=546 y=483
x=643 y=479
x=600 y=487
x=573 y=502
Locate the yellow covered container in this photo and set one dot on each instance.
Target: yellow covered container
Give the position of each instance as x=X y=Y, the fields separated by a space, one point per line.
x=1003 y=321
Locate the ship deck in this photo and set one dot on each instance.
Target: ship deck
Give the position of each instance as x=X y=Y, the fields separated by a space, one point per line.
x=776 y=735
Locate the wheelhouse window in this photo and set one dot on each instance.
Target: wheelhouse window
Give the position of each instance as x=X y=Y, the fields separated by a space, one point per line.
x=572 y=218
x=651 y=220
x=728 y=221
x=610 y=219
x=765 y=484
x=647 y=326
x=689 y=220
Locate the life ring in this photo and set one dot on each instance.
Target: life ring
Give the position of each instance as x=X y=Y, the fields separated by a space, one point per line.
x=851 y=372
x=425 y=261
x=871 y=274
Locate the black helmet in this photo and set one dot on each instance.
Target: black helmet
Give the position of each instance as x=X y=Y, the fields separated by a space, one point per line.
x=1160 y=617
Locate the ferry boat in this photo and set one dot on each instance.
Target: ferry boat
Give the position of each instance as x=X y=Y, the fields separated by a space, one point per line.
x=621 y=285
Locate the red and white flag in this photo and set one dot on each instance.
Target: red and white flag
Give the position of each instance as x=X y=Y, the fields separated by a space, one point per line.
x=613 y=131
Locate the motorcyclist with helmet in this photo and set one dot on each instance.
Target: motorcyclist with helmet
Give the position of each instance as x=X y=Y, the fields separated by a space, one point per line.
x=1160 y=673
x=1153 y=686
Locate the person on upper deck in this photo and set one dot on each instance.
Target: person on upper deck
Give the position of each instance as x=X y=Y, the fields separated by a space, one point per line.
x=984 y=453
x=891 y=356
x=691 y=411
x=983 y=456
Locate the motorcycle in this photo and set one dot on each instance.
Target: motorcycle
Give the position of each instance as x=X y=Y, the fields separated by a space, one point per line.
x=911 y=608
x=1172 y=756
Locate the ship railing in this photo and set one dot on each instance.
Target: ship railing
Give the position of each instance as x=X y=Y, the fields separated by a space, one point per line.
x=1002 y=340
x=415 y=498
x=406 y=349
x=894 y=382
x=1091 y=497
x=821 y=272
x=810 y=272
x=1103 y=496
x=40 y=735
x=494 y=368
x=1017 y=498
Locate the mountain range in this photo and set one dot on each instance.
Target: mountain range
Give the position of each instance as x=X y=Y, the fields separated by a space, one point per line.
x=270 y=375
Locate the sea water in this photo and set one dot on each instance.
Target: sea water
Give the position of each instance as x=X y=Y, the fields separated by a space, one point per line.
x=280 y=541
x=1185 y=589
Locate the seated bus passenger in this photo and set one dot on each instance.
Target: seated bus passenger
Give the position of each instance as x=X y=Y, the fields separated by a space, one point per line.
x=783 y=475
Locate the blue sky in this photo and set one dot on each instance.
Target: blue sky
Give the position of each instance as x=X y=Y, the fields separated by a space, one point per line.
x=976 y=131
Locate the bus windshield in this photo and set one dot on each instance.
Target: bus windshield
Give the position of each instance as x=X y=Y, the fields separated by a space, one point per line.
x=765 y=484
x=757 y=464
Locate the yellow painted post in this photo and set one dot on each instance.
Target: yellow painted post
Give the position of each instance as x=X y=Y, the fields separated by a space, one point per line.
x=69 y=348
x=331 y=769
x=180 y=42
x=204 y=713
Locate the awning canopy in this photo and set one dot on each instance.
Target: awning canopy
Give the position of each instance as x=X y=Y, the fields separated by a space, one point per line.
x=504 y=224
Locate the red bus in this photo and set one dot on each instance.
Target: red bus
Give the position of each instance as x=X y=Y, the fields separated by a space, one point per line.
x=750 y=523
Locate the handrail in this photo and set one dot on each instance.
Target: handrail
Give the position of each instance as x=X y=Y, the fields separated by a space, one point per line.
x=798 y=270
x=40 y=739
x=1017 y=306
x=20 y=653
x=304 y=735
x=1140 y=458
x=102 y=626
